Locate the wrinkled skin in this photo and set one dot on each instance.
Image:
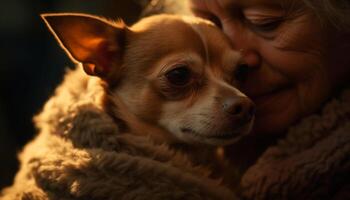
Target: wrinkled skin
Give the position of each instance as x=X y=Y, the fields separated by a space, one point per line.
x=294 y=62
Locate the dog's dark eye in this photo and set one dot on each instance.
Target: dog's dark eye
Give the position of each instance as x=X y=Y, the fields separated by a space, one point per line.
x=179 y=76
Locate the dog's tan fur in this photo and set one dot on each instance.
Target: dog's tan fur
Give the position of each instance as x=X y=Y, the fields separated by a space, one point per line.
x=132 y=62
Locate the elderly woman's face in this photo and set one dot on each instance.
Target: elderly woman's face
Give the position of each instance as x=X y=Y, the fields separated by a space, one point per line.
x=286 y=48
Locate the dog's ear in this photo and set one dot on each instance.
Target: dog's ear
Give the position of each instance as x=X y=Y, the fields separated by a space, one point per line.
x=93 y=41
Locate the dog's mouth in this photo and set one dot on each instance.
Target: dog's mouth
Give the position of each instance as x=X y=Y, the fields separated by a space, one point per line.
x=220 y=136
x=226 y=136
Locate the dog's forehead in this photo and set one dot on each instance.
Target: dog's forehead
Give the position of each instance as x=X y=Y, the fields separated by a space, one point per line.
x=217 y=46
x=156 y=37
x=176 y=33
x=167 y=33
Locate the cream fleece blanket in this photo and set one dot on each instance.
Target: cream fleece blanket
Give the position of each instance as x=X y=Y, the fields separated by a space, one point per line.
x=80 y=153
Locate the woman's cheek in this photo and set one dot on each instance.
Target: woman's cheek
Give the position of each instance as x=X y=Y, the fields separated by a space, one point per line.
x=306 y=71
x=297 y=51
x=296 y=66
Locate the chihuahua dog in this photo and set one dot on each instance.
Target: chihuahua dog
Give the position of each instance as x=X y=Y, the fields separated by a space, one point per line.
x=169 y=77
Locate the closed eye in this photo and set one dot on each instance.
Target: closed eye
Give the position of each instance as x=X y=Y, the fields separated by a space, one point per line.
x=266 y=25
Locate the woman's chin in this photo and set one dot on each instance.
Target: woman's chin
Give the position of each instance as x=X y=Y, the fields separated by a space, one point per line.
x=271 y=125
x=276 y=113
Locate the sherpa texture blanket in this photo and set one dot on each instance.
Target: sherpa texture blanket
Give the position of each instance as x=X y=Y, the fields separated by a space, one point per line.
x=312 y=162
x=80 y=153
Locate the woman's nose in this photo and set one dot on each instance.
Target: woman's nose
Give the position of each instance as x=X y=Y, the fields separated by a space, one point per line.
x=244 y=41
x=250 y=58
x=250 y=62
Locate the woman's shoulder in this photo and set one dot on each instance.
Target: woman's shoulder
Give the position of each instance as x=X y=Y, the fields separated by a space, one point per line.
x=311 y=162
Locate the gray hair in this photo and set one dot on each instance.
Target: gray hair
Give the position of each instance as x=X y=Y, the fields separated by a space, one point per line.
x=331 y=12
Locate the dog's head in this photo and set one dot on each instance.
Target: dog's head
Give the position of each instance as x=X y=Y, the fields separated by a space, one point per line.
x=176 y=73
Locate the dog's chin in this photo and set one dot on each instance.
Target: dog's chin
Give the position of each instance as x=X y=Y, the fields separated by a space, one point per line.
x=215 y=138
x=191 y=136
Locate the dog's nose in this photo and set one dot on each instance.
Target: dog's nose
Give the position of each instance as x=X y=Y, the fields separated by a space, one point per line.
x=241 y=109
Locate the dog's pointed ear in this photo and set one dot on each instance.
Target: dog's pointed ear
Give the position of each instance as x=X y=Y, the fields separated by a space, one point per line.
x=95 y=42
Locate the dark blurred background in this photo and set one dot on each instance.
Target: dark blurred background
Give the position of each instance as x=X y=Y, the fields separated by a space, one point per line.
x=32 y=65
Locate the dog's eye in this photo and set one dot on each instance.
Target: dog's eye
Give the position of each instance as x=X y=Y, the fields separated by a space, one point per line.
x=179 y=76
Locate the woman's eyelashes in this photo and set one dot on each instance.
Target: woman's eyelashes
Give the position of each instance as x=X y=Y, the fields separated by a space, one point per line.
x=264 y=25
x=260 y=22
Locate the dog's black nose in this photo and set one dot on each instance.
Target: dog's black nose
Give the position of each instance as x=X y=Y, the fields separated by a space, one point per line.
x=241 y=109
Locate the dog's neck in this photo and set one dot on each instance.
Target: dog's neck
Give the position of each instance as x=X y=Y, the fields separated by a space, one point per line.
x=199 y=154
x=214 y=159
